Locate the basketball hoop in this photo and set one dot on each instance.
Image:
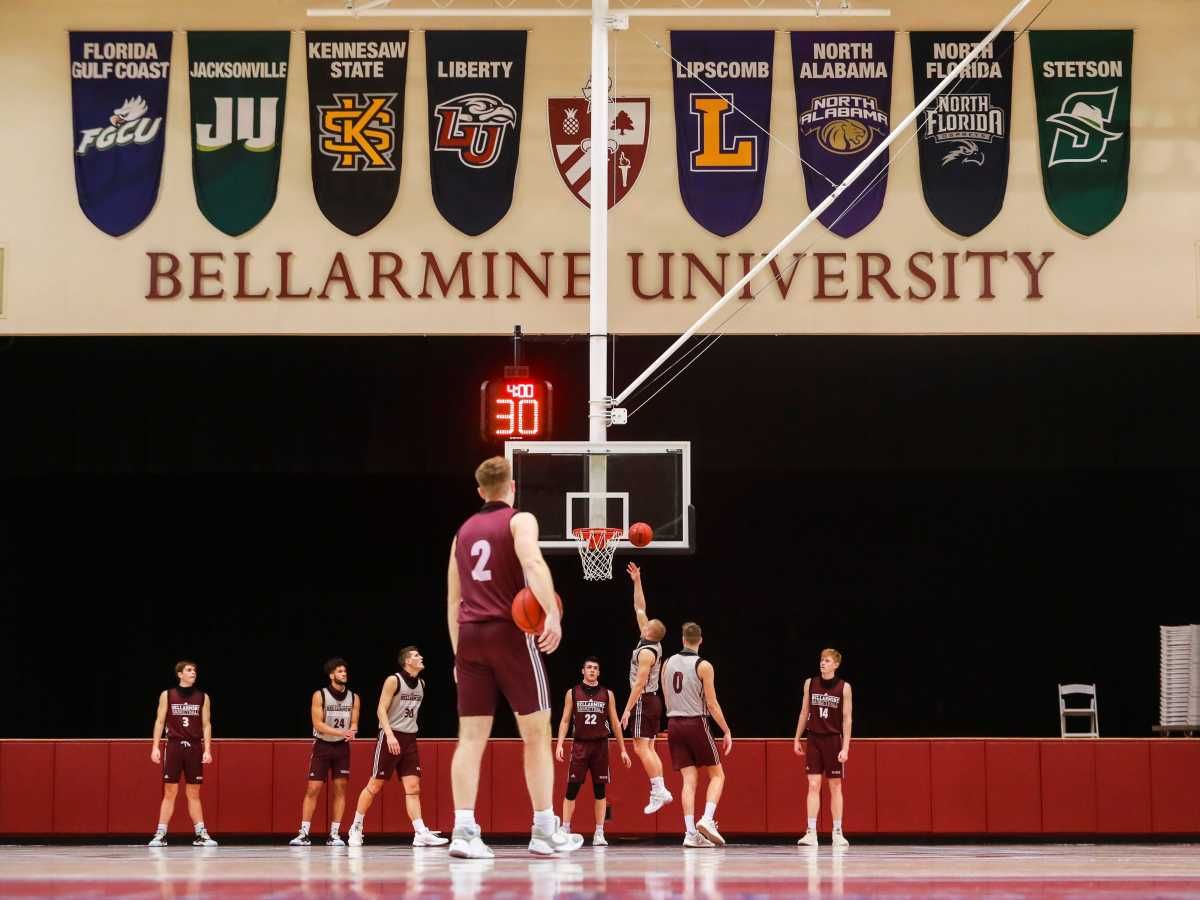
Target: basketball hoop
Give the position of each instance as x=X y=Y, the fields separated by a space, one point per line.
x=596 y=549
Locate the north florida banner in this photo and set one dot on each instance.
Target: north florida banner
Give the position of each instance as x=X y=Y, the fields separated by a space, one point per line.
x=238 y=83
x=1083 y=82
x=964 y=134
x=119 y=113
x=356 y=123
x=476 y=85
x=722 y=83
x=843 y=101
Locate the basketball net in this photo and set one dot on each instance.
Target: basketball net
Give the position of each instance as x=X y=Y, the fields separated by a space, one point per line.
x=596 y=549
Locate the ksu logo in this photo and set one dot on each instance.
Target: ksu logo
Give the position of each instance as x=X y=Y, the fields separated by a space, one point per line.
x=359 y=132
x=1081 y=135
x=127 y=125
x=473 y=126
x=716 y=149
x=221 y=133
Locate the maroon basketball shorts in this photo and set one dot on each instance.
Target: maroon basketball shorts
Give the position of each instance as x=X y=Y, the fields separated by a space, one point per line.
x=184 y=758
x=406 y=762
x=329 y=758
x=821 y=755
x=497 y=657
x=589 y=756
x=647 y=715
x=691 y=742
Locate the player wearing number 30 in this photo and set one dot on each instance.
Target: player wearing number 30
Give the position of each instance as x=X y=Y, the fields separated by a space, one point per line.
x=186 y=713
x=826 y=716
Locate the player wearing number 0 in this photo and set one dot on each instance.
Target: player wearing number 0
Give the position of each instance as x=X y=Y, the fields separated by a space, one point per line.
x=186 y=712
x=396 y=748
x=826 y=715
x=691 y=694
x=494 y=554
x=334 y=713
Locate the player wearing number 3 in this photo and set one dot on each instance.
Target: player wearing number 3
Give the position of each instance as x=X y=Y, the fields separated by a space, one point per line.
x=826 y=715
x=186 y=713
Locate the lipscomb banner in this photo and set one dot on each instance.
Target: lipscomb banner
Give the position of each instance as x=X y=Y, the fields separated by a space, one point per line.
x=119 y=111
x=843 y=101
x=476 y=86
x=356 y=123
x=722 y=83
x=964 y=134
x=238 y=84
x=1083 y=82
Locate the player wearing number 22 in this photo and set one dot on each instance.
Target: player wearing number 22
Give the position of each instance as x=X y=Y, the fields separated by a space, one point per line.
x=186 y=713
x=826 y=715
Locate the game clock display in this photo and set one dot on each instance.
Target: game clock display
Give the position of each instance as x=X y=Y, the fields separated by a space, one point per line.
x=516 y=409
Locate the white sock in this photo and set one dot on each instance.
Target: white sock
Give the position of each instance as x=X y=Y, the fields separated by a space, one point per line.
x=837 y=824
x=689 y=822
x=358 y=822
x=599 y=829
x=710 y=810
x=812 y=823
x=543 y=820
x=656 y=784
x=419 y=826
x=566 y=825
x=162 y=828
x=199 y=828
x=304 y=827
x=334 y=828
x=464 y=818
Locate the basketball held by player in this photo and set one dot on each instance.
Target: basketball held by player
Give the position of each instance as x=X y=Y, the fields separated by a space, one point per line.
x=185 y=712
x=826 y=715
x=334 y=712
x=495 y=554
x=591 y=708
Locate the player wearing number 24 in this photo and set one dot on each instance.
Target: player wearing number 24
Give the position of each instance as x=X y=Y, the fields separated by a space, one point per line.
x=186 y=713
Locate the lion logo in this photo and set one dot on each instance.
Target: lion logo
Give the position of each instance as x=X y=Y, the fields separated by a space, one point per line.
x=844 y=136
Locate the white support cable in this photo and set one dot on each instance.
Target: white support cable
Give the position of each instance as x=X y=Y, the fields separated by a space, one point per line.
x=825 y=204
x=413 y=12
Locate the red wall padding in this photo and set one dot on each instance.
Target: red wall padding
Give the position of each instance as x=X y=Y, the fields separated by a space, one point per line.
x=901 y=787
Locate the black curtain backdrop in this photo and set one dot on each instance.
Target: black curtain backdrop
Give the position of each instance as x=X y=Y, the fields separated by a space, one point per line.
x=970 y=520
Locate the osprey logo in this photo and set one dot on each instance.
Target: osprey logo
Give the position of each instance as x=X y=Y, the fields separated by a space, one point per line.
x=571 y=143
x=965 y=120
x=359 y=132
x=215 y=137
x=1081 y=135
x=128 y=125
x=473 y=126
x=967 y=152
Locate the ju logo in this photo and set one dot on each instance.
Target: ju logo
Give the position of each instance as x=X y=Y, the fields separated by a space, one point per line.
x=224 y=131
x=1082 y=132
x=474 y=127
x=359 y=132
x=717 y=150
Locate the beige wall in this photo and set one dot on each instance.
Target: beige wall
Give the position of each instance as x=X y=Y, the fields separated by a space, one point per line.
x=65 y=276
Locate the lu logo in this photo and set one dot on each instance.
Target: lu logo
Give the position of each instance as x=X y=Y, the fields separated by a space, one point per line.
x=1081 y=136
x=473 y=126
x=716 y=151
x=359 y=132
x=207 y=140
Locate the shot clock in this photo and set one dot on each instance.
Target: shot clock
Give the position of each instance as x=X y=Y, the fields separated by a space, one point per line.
x=515 y=408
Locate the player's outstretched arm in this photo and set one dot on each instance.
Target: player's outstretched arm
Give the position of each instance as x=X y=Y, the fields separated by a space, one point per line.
x=615 y=725
x=847 y=722
x=390 y=685
x=639 y=595
x=524 y=529
x=708 y=677
x=453 y=597
x=160 y=721
x=645 y=660
x=206 y=721
x=563 y=725
x=797 y=747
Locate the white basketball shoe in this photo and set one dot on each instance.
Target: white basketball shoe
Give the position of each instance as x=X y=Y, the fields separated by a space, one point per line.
x=659 y=797
x=466 y=843
x=809 y=839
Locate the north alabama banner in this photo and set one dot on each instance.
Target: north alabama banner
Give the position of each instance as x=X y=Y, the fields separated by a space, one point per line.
x=1083 y=81
x=964 y=134
x=476 y=83
x=118 y=112
x=238 y=83
x=722 y=85
x=843 y=101
x=356 y=123
x=571 y=142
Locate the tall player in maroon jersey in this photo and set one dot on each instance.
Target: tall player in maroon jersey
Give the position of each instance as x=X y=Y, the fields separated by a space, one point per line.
x=595 y=713
x=494 y=554
x=827 y=716
x=186 y=711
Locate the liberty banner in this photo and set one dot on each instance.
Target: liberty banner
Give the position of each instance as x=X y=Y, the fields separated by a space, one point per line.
x=843 y=101
x=1083 y=82
x=118 y=112
x=238 y=84
x=356 y=123
x=964 y=134
x=722 y=85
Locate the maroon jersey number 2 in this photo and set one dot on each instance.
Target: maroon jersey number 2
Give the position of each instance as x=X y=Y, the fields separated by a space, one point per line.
x=482 y=549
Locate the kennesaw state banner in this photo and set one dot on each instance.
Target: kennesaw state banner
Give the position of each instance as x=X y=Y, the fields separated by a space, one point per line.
x=476 y=82
x=722 y=120
x=1083 y=81
x=119 y=109
x=843 y=100
x=356 y=123
x=238 y=82
x=964 y=134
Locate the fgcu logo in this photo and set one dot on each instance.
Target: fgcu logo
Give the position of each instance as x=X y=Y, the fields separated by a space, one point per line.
x=473 y=126
x=128 y=125
x=716 y=149
x=1081 y=136
x=359 y=132
x=221 y=133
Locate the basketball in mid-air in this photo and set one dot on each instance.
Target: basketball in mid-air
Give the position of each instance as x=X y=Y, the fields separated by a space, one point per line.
x=640 y=534
x=528 y=613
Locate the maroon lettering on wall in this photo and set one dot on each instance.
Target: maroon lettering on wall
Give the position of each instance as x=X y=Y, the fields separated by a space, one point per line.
x=824 y=275
x=285 y=271
x=515 y=261
x=921 y=275
x=1034 y=273
x=157 y=275
x=460 y=268
x=664 y=291
x=575 y=275
x=200 y=275
x=867 y=275
x=694 y=265
x=243 y=293
x=339 y=272
x=986 y=257
x=392 y=275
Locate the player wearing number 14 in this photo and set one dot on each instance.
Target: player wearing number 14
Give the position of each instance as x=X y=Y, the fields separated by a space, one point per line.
x=826 y=715
x=186 y=713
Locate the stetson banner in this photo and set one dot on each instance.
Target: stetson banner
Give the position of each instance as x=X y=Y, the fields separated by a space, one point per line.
x=356 y=123
x=722 y=83
x=1083 y=81
x=843 y=101
x=118 y=111
x=238 y=83
x=964 y=134
x=476 y=84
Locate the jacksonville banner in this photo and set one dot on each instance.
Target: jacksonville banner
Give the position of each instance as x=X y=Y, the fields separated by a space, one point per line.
x=964 y=134
x=356 y=123
x=722 y=85
x=119 y=114
x=843 y=103
x=238 y=83
x=1083 y=81
x=476 y=83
